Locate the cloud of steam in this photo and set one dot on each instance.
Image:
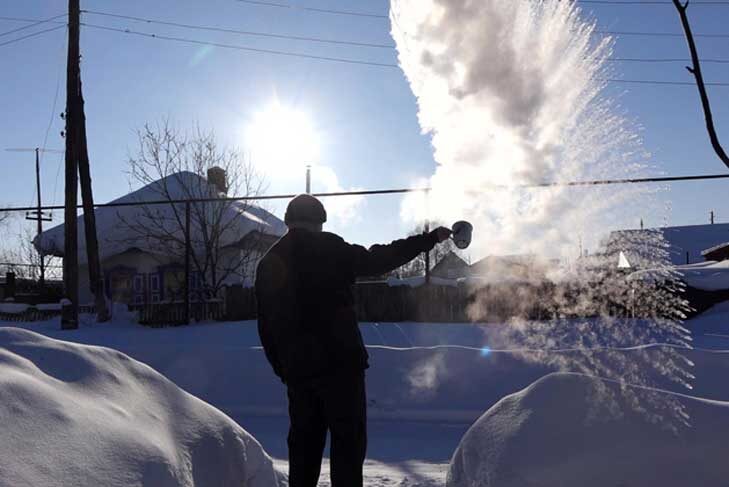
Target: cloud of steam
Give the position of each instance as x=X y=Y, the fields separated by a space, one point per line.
x=426 y=375
x=509 y=92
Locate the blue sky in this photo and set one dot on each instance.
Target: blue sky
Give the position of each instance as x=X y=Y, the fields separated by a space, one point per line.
x=366 y=116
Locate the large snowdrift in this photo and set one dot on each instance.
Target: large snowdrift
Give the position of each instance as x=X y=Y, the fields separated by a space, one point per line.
x=83 y=415
x=547 y=434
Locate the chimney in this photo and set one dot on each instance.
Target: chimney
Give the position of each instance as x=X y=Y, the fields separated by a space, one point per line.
x=218 y=178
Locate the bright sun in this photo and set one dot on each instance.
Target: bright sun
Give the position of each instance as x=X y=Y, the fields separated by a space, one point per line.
x=281 y=138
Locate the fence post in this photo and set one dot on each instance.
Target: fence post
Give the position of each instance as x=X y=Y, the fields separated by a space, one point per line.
x=9 y=284
x=427 y=230
x=188 y=248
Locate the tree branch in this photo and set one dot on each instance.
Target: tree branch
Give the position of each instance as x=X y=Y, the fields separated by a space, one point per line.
x=696 y=71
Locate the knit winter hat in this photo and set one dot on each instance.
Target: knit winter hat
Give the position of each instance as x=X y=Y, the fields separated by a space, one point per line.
x=305 y=208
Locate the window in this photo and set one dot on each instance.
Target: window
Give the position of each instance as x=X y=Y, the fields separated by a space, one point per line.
x=154 y=283
x=139 y=283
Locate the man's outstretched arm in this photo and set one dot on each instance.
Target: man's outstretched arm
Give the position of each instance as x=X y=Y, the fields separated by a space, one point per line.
x=380 y=259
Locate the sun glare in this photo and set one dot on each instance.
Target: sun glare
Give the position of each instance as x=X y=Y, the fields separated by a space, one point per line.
x=281 y=138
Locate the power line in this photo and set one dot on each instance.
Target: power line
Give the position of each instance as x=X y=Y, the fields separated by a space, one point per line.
x=648 y=2
x=391 y=46
x=660 y=82
x=231 y=199
x=353 y=43
x=242 y=32
x=665 y=60
x=335 y=59
x=242 y=48
x=314 y=9
x=37 y=22
x=316 y=39
x=18 y=39
x=380 y=16
x=658 y=34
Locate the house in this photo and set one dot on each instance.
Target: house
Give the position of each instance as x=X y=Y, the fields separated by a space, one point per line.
x=141 y=247
x=684 y=244
x=717 y=253
x=450 y=266
x=493 y=268
x=511 y=268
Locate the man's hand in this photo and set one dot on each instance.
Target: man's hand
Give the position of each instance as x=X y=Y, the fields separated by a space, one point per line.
x=441 y=234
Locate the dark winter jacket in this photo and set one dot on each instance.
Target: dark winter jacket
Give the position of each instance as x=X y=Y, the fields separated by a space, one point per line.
x=306 y=315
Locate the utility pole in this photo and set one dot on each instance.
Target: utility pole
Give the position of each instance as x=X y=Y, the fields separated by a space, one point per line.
x=712 y=217
x=77 y=164
x=38 y=214
x=69 y=318
x=308 y=179
x=96 y=280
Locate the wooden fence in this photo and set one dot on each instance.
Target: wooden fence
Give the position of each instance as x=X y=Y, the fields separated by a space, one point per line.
x=378 y=302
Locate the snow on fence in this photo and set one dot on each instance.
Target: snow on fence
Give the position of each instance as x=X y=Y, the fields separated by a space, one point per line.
x=173 y=313
x=19 y=312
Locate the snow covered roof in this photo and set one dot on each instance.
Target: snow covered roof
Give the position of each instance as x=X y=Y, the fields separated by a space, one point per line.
x=713 y=249
x=451 y=263
x=113 y=223
x=691 y=238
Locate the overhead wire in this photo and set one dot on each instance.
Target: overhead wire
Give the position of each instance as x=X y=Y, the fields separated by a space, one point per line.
x=241 y=32
x=381 y=16
x=315 y=9
x=549 y=184
x=33 y=24
x=659 y=34
x=347 y=42
x=337 y=59
x=316 y=39
x=653 y=2
x=34 y=34
x=664 y=60
x=241 y=48
x=50 y=123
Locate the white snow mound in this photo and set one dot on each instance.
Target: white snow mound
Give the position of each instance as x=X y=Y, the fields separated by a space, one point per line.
x=543 y=436
x=86 y=416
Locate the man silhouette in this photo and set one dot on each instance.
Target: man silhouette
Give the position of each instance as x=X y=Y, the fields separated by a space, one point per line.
x=308 y=327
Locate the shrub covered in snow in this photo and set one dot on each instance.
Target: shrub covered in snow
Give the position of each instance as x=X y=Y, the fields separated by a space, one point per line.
x=82 y=415
x=552 y=434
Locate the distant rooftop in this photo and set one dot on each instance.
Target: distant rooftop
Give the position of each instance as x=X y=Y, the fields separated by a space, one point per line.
x=691 y=239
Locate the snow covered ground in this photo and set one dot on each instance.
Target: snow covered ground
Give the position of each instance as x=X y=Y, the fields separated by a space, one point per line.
x=87 y=416
x=427 y=385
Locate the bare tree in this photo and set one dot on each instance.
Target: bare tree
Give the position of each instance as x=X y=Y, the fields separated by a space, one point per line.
x=24 y=260
x=696 y=71
x=416 y=267
x=176 y=164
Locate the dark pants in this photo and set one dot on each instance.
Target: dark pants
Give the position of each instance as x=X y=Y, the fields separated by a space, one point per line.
x=337 y=404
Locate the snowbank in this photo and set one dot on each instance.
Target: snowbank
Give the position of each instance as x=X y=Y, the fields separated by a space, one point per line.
x=708 y=276
x=83 y=415
x=544 y=435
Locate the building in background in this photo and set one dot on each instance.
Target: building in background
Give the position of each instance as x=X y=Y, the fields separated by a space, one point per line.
x=141 y=247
